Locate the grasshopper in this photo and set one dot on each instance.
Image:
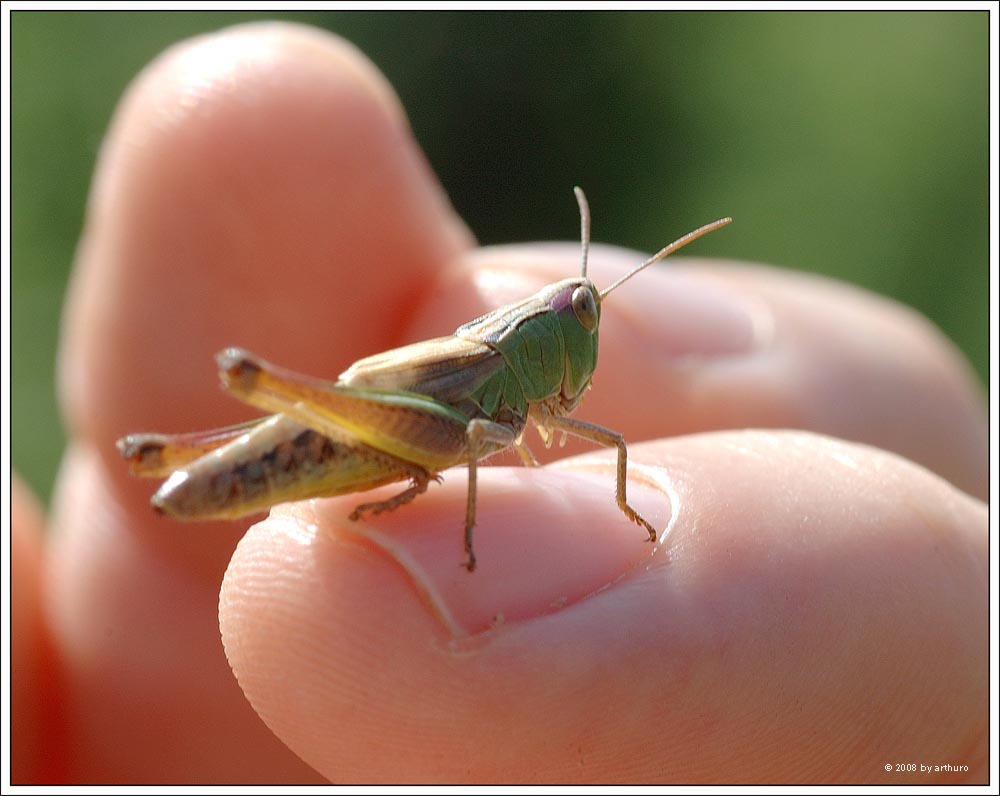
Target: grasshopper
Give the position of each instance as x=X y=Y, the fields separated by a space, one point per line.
x=403 y=415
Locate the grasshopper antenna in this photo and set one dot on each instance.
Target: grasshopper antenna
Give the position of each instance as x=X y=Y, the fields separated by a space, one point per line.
x=670 y=249
x=581 y=200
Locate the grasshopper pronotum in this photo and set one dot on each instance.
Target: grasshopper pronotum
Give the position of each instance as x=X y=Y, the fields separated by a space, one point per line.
x=406 y=414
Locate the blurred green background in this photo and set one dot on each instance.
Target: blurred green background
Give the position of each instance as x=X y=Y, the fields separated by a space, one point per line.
x=849 y=144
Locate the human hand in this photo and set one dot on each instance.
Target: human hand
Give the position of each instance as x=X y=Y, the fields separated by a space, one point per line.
x=816 y=611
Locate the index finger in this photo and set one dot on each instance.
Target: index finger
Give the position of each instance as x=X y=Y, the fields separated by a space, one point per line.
x=248 y=193
x=258 y=187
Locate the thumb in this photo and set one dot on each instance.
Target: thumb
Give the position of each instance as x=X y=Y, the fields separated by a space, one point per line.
x=808 y=619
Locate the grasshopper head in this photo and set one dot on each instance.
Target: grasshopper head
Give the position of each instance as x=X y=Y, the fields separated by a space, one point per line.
x=577 y=305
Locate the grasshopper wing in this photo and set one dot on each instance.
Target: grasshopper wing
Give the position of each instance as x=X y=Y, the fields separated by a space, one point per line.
x=386 y=413
x=448 y=368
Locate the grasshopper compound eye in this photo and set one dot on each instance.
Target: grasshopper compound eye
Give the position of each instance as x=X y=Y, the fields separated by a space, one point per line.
x=585 y=308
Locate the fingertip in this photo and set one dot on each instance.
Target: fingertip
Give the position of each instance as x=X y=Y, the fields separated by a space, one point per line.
x=258 y=186
x=695 y=346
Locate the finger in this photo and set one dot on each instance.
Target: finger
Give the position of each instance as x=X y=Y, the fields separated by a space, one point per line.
x=699 y=345
x=252 y=180
x=257 y=188
x=36 y=748
x=810 y=620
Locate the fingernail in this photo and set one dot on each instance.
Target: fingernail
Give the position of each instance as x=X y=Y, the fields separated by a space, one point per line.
x=545 y=539
x=686 y=314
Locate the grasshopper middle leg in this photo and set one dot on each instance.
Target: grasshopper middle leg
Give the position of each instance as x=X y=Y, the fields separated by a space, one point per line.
x=483 y=436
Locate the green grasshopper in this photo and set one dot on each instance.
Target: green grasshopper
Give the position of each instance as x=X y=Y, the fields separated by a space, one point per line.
x=406 y=414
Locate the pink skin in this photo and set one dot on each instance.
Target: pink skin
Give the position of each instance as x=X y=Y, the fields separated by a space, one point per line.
x=816 y=608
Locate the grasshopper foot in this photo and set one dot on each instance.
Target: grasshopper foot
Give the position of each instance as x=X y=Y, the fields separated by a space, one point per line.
x=633 y=515
x=470 y=562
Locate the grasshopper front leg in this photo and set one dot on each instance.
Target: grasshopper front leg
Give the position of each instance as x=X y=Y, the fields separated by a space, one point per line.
x=602 y=436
